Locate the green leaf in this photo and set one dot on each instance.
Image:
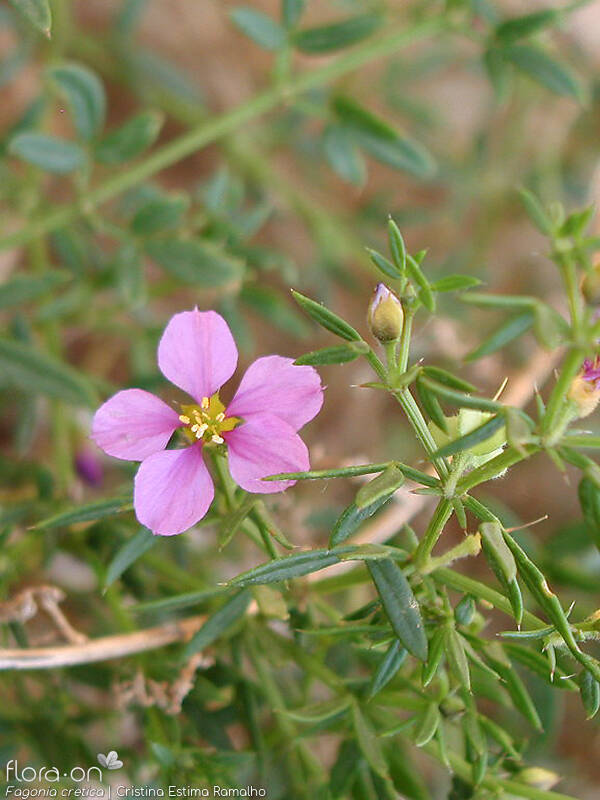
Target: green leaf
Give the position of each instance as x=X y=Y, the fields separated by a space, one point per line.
x=195 y=261
x=87 y=513
x=536 y=663
x=497 y=552
x=326 y=38
x=25 y=367
x=431 y=404
x=516 y=688
x=320 y=474
x=351 y=518
x=501 y=301
x=589 y=689
x=291 y=11
x=387 y=669
x=129 y=274
x=389 y=270
x=448 y=379
x=397 y=246
x=480 y=434
x=589 y=500
x=160 y=214
x=457 y=658
x=343 y=155
x=455 y=283
x=437 y=647
x=339 y=354
x=400 y=605
x=47 y=152
x=507 y=332
x=515 y=28
x=261 y=28
x=417 y=276
x=535 y=211
x=319 y=712
x=427 y=725
x=37 y=12
x=130 y=140
x=368 y=742
x=283 y=569
x=545 y=70
x=549 y=327
x=128 y=553
x=84 y=95
x=219 y=623
x=384 y=485
x=460 y=399
x=24 y=288
x=230 y=523
x=326 y=318
x=381 y=140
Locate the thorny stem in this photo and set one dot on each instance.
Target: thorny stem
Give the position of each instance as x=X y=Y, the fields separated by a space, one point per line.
x=217 y=127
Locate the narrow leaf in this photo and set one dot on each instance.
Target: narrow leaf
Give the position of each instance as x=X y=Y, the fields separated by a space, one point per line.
x=400 y=605
x=27 y=368
x=326 y=318
x=128 y=554
x=219 y=623
x=327 y=38
x=86 y=513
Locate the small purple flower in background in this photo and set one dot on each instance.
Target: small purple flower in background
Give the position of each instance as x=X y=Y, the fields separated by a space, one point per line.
x=173 y=489
x=88 y=467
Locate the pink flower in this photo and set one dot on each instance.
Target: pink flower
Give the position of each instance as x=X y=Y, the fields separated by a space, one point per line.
x=173 y=489
x=591 y=371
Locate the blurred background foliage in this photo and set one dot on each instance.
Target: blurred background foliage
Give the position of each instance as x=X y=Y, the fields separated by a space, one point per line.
x=161 y=154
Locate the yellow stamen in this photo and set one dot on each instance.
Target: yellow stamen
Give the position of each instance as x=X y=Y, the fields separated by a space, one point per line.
x=207 y=421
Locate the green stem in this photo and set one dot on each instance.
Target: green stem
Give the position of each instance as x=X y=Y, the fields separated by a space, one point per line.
x=214 y=129
x=432 y=534
x=461 y=583
x=570 y=368
x=412 y=411
x=404 y=350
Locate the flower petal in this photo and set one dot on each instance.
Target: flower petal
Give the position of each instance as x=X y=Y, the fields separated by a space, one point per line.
x=273 y=385
x=172 y=490
x=265 y=445
x=197 y=352
x=133 y=424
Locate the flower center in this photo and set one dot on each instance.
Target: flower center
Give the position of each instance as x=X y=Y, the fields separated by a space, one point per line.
x=207 y=421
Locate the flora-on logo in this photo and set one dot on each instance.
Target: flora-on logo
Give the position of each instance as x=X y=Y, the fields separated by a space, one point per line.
x=110 y=761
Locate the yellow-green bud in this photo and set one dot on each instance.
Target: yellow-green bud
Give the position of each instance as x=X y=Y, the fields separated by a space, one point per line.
x=385 y=315
x=539 y=777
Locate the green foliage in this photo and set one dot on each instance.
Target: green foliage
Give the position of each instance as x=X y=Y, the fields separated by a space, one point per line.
x=318 y=615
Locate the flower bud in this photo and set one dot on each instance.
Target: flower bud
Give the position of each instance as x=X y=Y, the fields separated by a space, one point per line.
x=385 y=316
x=585 y=389
x=539 y=777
